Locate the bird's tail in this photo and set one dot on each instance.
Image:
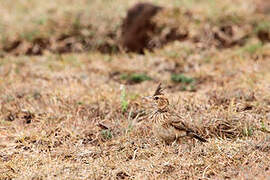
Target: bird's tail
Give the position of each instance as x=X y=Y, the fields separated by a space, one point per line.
x=192 y=134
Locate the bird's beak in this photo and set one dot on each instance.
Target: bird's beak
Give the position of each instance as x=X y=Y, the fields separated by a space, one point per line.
x=147 y=97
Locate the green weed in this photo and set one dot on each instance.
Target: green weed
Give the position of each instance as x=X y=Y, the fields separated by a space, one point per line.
x=106 y=134
x=124 y=102
x=135 y=78
x=253 y=48
x=248 y=131
x=262 y=26
x=180 y=78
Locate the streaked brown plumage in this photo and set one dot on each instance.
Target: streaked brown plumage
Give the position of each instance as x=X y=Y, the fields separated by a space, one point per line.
x=167 y=125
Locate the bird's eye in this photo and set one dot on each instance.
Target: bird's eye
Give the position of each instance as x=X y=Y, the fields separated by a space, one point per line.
x=156 y=98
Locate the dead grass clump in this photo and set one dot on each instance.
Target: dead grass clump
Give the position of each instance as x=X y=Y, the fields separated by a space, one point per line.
x=226 y=118
x=73 y=41
x=52 y=138
x=12 y=112
x=223 y=124
x=226 y=96
x=225 y=31
x=227 y=126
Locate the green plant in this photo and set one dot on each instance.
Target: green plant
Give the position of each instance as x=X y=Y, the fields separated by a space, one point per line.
x=135 y=78
x=108 y=58
x=31 y=35
x=263 y=127
x=253 y=48
x=180 y=78
x=124 y=102
x=262 y=26
x=106 y=134
x=248 y=131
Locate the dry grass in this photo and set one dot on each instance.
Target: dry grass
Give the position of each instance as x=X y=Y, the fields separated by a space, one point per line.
x=65 y=116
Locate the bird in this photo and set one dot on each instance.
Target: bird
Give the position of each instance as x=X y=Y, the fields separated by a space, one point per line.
x=168 y=125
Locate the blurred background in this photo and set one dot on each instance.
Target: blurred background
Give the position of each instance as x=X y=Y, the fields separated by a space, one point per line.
x=35 y=27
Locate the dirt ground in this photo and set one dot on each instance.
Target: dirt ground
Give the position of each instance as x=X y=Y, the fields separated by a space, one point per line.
x=79 y=113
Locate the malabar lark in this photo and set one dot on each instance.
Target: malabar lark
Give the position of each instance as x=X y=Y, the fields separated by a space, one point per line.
x=167 y=125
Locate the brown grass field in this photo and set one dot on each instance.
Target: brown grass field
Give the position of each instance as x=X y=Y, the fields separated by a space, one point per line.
x=79 y=113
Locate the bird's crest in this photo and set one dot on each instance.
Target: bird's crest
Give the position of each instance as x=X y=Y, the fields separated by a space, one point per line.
x=159 y=90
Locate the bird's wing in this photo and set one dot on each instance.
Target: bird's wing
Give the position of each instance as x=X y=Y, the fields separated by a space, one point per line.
x=178 y=123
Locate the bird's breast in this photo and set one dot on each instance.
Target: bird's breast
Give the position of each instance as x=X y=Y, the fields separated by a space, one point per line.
x=162 y=128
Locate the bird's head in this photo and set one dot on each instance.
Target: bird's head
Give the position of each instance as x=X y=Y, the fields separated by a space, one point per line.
x=160 y=101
